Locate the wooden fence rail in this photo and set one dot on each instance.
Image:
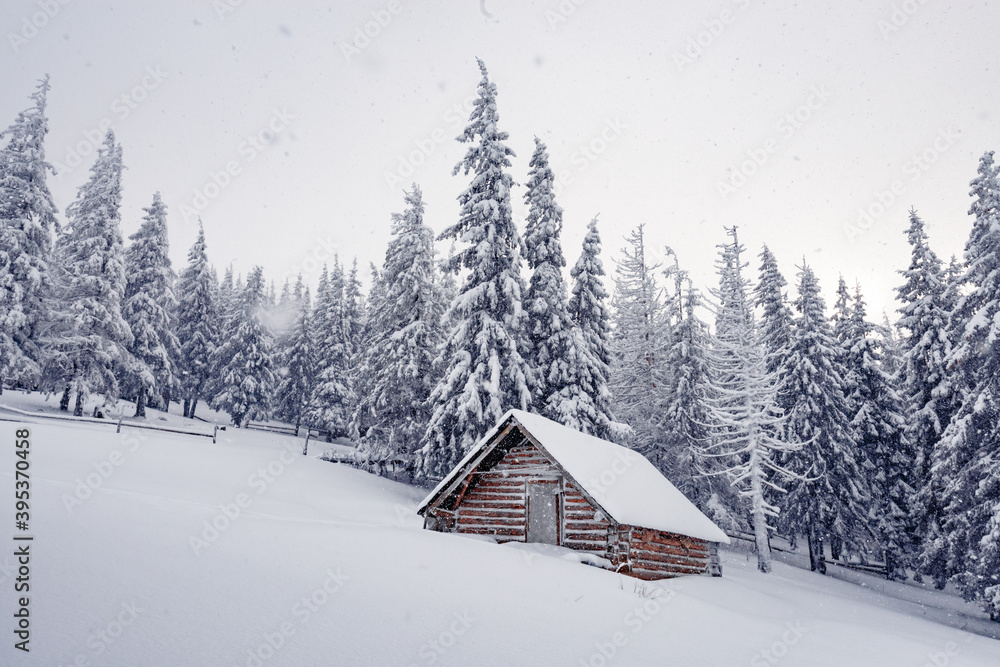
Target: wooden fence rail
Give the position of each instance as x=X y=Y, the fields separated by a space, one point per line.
x=109 y=422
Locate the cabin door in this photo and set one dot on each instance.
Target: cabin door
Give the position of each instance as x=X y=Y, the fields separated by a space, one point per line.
x=543 y=512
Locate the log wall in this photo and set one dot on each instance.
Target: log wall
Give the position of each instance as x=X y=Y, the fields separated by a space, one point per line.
x=656 y=554
x=495 y=503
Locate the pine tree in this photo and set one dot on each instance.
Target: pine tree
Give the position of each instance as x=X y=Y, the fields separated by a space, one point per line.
x=830 y=498
x=298 y=368
x=885 y=452
x=842 y=315
x=403 y=337
x=924 y=346
x=197 y=318
x=776 y=318
x=226 y=301
x=746 y=420
x=686 y=416
x=89 y=338
x=332 y=401
x=966 y=460
x=638 y=342
x=149 y=299
x=588 y=311
x=247 y=379
x=485 y=373
x=27 y=221
x=553 y=351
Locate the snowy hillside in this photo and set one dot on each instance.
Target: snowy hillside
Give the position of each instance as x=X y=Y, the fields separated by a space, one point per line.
x=311 y=563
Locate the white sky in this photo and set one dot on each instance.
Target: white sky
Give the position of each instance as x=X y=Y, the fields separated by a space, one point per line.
x=672 y=132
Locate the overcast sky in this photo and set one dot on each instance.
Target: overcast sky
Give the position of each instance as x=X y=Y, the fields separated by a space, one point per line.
x=784 y=118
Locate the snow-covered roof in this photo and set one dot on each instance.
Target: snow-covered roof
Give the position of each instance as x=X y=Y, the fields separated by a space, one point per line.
x=626 y=485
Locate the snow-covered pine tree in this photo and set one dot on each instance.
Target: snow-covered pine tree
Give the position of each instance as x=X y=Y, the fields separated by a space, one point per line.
x=353 y=312
x=841 y=319
x=923 y=323
x=89 y=338
x=892 y=356
x=330 y=407
x=776 y=317
x=226 y=301
x=197 y=318
x=884 y=447
x=398 y=357
x=637 y=345
x=746 y=422
x=967 y=459
x=485 y=374
x=686 y=416
x=830 y=499
x=298 y=364
x=247 y=379
x=27 y=221
x=149 y=300
x=588 y=310
x=319 y=318
x=552 y=351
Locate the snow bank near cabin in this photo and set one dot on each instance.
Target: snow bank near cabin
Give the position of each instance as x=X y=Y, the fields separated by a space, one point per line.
x=325 y=565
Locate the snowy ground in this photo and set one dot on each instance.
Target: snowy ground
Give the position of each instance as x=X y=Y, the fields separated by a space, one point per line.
x=311 y=563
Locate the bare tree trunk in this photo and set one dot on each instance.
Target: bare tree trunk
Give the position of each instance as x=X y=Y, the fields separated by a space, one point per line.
x=817 y=559
x=78 y=409
x=760 y=523
x=64 y=401
x=140 y=403
x=187 y=407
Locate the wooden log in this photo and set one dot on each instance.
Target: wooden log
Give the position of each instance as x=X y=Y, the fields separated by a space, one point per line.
x=489 y=521
x=496 y=504
x=498 y=479
x=581 y=525
x=495 y=513
x=486 y=530
x=655 y=559
x=670 y=550
x=583 y=545
x=638 y=570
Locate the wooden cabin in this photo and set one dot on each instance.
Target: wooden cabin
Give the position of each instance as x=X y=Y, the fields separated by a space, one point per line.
x=531 y=479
